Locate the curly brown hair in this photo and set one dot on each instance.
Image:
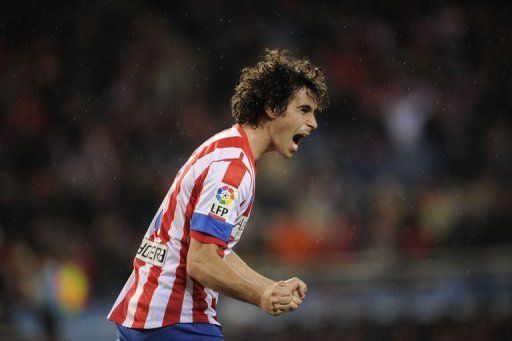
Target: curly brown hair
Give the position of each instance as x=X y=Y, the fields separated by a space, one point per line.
x=271 y=83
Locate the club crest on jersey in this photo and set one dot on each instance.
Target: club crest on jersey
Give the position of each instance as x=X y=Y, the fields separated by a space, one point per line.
x=223 y=201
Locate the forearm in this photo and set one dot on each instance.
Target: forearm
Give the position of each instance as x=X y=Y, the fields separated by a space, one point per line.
x=213 y=272
x=240 y=267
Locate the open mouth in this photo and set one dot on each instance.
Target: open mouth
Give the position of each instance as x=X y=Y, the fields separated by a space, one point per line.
x=297 y=138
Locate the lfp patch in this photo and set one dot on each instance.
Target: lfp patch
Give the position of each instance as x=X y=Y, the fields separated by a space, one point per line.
x=225 y=195
x=223 y=201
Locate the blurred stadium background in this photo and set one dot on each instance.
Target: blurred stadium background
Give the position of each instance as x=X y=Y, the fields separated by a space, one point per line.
x=397 y=212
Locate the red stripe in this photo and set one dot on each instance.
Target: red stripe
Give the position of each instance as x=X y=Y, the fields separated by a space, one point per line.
x=175 y=303
x=200 y=305
x=235 y=173
x=142 y=310
x=150 y=286
x=247 y=148
x=119 y=313
x=207 y=239
x=216 y=217
x=214 y=307
x=249 y=208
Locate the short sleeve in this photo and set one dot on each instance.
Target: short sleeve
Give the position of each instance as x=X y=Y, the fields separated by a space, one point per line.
x=225 y=191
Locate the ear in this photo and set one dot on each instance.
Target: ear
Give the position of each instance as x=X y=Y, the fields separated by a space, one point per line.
x=271 y=113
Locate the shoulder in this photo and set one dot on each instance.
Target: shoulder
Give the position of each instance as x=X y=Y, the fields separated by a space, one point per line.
x=227 y=138
x=226 y=152
x=230 y=146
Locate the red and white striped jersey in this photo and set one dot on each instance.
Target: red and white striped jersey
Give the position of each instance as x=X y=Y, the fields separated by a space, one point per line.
x=210 y=200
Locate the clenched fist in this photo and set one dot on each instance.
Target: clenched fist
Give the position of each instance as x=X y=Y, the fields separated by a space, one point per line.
x=299 y=290
x=283 y=296
x=276 y=298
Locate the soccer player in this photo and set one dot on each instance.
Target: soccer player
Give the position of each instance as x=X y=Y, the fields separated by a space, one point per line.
x=186 y=257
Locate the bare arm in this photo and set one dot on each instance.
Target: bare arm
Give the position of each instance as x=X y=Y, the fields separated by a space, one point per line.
x=240 y=267
x=204 y=265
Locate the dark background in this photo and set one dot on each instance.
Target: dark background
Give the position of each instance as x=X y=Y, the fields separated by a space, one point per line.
x=396 y=212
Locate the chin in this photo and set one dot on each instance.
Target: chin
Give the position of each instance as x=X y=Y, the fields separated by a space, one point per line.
x=286 y=154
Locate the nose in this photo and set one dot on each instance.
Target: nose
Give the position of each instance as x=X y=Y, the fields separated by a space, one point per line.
x=311 y=122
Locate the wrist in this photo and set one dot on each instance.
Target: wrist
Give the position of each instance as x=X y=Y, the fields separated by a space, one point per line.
x=260 y=294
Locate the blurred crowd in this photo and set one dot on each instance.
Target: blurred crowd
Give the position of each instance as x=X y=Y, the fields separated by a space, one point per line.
x=443 y=329
x=101 y=103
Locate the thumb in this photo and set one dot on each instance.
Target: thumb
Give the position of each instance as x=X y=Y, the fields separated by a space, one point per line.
x=302 y=289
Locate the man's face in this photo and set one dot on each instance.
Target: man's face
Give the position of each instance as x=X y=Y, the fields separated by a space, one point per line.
x=295 y=123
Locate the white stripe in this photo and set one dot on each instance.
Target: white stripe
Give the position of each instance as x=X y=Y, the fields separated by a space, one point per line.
x=246 y=185
x=227 y=153
x=132 y=305
x=201 y=164
x=219 y=154
x=209 y=311
x=230 y=132
x=248 y=164
x=186 y=308
x=176 y=228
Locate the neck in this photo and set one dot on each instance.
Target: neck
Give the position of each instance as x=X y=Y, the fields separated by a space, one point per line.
x=259 y=139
